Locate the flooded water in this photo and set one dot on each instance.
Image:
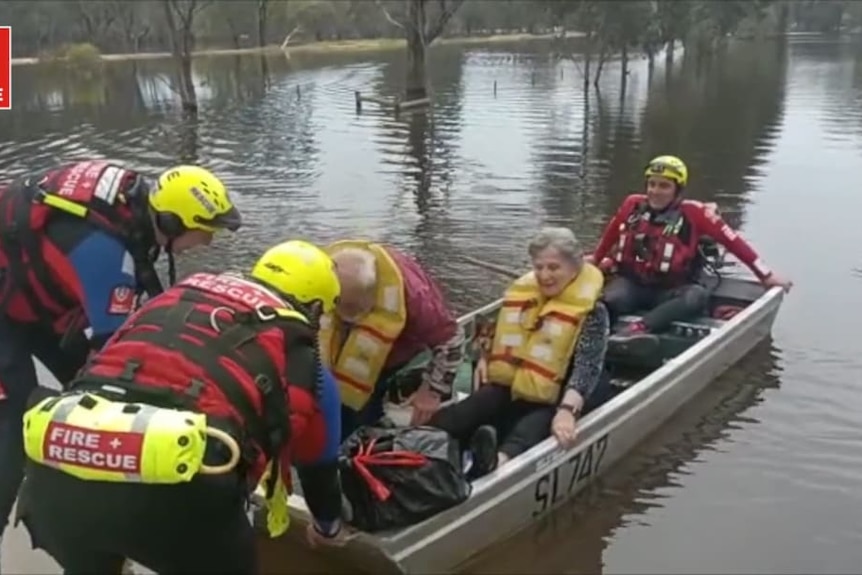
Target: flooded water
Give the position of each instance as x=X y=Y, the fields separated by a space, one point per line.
x=758 y=475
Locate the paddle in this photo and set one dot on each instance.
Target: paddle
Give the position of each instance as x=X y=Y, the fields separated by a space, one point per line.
x=492 y=267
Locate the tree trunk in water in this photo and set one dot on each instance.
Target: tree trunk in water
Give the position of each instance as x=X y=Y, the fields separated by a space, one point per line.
x=624 y=61
x=261 y=23
x=182 y=43
x=624 y=75
x=599 y=66
x=188 y=95
x=418 y=140
x=188 y=137
x=588 y=58
x=417 y=81
x=668 y=55
x=650 y=66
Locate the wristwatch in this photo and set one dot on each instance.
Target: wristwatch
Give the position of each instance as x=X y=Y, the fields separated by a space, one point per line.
x=568 y=407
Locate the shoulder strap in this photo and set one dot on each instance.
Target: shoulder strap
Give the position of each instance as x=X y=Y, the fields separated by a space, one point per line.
x=126 y=218
x=21 y=243
x=168 y=327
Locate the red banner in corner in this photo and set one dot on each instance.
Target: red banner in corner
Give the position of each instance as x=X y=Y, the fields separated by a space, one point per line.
x=5 y=67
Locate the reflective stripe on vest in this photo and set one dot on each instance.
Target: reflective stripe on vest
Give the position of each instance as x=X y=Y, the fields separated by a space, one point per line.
x=236 y=341
x=87 y=190
x=535 y=338
x=358 y=360
x=661 y=243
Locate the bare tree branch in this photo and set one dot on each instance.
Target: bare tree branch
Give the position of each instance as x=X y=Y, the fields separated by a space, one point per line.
x=447 y=11
x=297 y=28
x=388 y=16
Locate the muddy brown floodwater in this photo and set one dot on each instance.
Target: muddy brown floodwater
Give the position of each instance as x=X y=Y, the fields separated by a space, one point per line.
x=759 y=474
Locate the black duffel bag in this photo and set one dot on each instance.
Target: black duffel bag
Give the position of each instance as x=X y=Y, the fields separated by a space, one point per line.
x=395 y=477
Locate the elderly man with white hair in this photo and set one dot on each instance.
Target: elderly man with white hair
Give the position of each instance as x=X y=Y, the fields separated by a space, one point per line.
x=390 y=311
x=546 y=363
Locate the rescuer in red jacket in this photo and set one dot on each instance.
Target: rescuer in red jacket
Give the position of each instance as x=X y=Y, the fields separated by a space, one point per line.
x=241 y=351
x=77 y=246
x=652 y=242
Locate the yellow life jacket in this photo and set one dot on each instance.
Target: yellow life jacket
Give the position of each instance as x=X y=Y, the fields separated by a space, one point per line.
x=358 y=360
x=95 y=439
x=535 y=338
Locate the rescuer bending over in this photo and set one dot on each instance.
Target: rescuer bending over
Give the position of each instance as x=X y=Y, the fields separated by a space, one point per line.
x=77 y=246
x=391 y=310
x=119 y=467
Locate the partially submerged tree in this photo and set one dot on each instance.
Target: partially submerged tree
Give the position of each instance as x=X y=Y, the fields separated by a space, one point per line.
x=422 y=23
x=262 y=14
x=180 y=16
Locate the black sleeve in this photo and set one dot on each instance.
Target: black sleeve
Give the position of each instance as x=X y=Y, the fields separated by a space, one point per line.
x=302 y=359
x=321 y=489
x=318 y=475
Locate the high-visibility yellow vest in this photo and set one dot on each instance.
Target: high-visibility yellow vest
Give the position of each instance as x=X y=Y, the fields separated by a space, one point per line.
x=358 y=360
x=535 y=337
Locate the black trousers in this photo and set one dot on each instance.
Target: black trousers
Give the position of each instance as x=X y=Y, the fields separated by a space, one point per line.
x=520 y=424
x=624 y=295
x=18 y=344
x=90 y=527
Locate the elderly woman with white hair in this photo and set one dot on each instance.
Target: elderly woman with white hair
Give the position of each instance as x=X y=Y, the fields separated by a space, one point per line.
x=546 y=360
x=390 y=311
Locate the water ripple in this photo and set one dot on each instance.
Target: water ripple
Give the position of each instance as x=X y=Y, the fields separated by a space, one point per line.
x=512 y=142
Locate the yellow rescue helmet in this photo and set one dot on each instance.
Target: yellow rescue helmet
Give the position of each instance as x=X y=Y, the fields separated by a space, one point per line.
x=192 y=198
x=299 y=270
x=669 y=167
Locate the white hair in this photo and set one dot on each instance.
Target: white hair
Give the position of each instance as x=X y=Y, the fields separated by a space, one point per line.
x=358 y=264
x=561 y=239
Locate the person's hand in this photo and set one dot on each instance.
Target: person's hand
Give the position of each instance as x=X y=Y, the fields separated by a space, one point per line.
x=608 y=265
x=564 y=427
x=315 y=538
x=425 y=403
x=776 y=280
x=480 y=374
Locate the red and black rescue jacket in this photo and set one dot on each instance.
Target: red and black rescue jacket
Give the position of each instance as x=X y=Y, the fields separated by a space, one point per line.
x=106 y=196
x=661 y=248
x=212 y=344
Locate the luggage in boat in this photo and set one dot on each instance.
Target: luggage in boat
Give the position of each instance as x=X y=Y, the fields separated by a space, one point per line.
x=395 y=477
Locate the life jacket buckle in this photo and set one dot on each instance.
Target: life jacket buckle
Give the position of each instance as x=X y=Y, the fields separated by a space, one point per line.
x=129 y=370
x=195 y=388
x=265 y=313
x=641 y=247
x=264 y=384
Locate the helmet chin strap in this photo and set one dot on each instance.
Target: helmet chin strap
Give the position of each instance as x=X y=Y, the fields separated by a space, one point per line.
x=172 y=264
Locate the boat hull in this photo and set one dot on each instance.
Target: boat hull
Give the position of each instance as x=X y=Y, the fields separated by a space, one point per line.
x=529 y=487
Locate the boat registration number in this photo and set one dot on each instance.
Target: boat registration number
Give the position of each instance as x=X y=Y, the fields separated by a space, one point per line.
x=561 y=481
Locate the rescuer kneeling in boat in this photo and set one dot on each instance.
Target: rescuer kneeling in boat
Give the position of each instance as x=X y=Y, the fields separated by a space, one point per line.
x=546 y=361
x=77 y=246
x=154 y=450
x=654 y=242
x=390 y=311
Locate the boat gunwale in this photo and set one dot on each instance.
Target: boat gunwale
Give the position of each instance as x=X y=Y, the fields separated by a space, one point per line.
x=400 y=544
x=591 y=426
